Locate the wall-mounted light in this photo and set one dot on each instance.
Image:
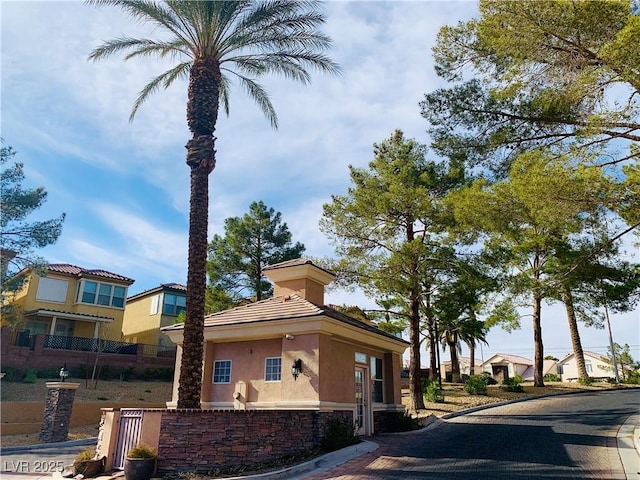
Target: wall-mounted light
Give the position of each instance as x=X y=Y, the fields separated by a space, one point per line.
x=296 y=369
x=288 y=336
x=64 y=373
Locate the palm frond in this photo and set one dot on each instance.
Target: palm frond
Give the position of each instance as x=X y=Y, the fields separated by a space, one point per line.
x=225 y=86
x=164 y=80
x=260 y=96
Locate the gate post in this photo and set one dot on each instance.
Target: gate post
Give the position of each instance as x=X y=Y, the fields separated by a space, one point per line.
x=57 y=411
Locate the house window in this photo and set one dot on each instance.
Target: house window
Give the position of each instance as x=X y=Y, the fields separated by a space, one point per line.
x=222 y=371
x=52 y=290
x=97 y=293
x=560 y=369
x=588 y=366
x=173 y=304
x=273 y=369
x=376 y=380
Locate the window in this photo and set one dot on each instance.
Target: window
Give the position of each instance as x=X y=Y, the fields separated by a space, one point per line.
x=273 y=369
x=588 y=366
x=52 y=290
x=222 y=371
x=105 y=294
x=376 y=380
x=173 y=304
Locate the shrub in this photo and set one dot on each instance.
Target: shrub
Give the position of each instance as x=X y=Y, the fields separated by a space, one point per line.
x=552 y=377
x=340 y=434
x=585 y=380
x=633 y=378
x=30 y=376
x=432 y=391
x=476 y=385
x=84 y=455
x=488 y=379
x=12 y=374
x=399 y=422
x=512 y=384
x=158 y=374
x=142 y=451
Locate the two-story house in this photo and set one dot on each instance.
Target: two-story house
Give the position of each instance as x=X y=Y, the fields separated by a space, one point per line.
x=150 y=310
x=72 y=301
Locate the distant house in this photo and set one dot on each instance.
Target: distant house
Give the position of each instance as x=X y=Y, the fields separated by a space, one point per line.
x=502 y=366
x=465 y=367
x=292 y=352
x=147 y=312
x=595 y=364
x=72 y=301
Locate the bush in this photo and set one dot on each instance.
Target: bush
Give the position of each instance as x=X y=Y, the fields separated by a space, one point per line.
x=399 y=422
x=142 y=451
x=12 y=374
x=165 y=374
x=432 y=391
x=633 y=378
x=30 y=376
x=585 y=380
x=84 y=455
x=552 y=377
x=488 y=379
x=512 y=384
x=476 y=385
x=340 y=434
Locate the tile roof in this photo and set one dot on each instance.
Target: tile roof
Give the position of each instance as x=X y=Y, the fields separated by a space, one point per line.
x=294 y=263
x=280 y=308
x=513 y=359
x=82 y=272
x=162 y=287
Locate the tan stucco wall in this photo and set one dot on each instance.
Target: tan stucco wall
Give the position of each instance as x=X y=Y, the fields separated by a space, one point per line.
x=306 y=288
x=139 y=326
x=26 y=299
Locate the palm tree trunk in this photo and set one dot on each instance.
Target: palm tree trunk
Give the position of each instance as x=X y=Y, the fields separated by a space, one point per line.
x=455 y=364
x=202 y=114
x=567 y=298
x=472 y=361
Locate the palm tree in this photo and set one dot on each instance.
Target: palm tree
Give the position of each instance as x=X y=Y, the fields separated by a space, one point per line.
x=215 y=42
x=453 y=331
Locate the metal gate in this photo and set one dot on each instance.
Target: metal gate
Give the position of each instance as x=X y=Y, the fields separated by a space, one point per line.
x=129 y=430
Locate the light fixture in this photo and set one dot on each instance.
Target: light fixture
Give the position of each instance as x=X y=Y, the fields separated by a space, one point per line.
x=288 y=336
x=64 y=373
x=296 y=369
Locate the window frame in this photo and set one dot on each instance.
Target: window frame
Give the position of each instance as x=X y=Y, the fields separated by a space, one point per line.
x=267 y=372
x=215 y=372
x=175 y=308
x=113 y=299
x=377 y=379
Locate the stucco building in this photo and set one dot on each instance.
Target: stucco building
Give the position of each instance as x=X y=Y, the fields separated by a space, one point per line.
x=293 y=352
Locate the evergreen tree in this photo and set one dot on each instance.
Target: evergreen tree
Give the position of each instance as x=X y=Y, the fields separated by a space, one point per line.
x=20 y=237
x=250 y=243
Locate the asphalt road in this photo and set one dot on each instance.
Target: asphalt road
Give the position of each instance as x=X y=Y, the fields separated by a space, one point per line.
x=561 y=438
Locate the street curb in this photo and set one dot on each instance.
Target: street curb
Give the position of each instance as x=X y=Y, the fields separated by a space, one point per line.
x=40 y=446
x=318 y=464
x=627 y=443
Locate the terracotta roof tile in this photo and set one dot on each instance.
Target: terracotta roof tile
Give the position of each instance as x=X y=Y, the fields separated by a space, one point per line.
x=280 y=308
x=82 y=272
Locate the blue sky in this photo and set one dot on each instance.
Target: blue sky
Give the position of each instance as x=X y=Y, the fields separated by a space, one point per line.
x=125 y=186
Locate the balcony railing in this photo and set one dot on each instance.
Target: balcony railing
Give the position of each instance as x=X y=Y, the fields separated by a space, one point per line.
x=83 y=344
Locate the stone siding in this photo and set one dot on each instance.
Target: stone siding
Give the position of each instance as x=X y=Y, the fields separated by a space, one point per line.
x=202 y=440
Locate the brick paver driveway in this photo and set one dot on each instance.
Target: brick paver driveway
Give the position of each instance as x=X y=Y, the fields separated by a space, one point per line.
x=563 y=437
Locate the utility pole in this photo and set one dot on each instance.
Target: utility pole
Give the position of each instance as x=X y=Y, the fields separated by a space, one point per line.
x=611 y=345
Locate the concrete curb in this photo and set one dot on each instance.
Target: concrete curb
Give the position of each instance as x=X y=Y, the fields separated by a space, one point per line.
x=628 y=446
x=318 y=464
x=40 y=446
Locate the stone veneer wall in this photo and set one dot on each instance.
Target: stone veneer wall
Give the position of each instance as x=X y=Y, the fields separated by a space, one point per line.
x=381 y=419
x=57 y=411
x=201 y=440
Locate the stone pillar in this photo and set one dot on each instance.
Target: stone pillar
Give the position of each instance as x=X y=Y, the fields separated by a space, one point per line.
x=57 y=411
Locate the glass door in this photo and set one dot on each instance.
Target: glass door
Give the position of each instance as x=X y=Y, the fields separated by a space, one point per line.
x=362 y=402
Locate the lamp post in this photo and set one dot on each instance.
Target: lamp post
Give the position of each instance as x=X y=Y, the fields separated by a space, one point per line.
x=64 y=373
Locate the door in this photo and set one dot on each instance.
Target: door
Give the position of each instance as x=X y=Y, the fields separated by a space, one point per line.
x=363 y=402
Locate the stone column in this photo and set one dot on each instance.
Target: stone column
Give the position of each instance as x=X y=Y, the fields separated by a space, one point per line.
x=57 y=411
